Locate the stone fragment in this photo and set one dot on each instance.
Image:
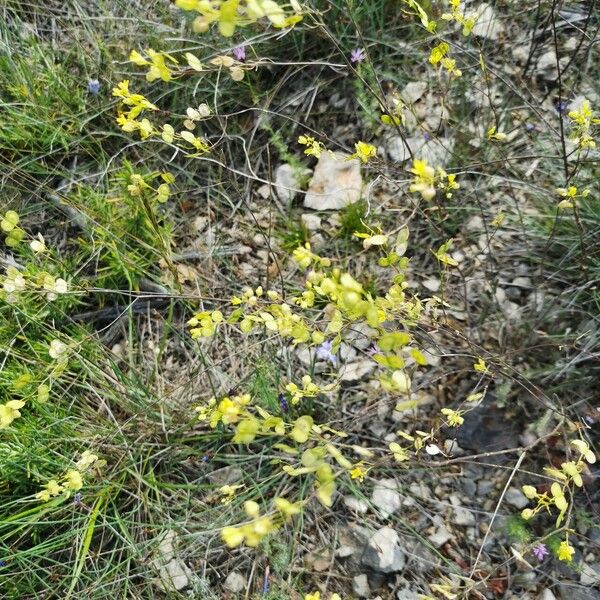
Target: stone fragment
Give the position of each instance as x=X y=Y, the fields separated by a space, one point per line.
x=360 y=586
x=385 y=497
x=383 y=552
x=235 y=582
x=288 y=182
x=336 y=183
x=413 y=91
x=516 y=498
x=488 y=26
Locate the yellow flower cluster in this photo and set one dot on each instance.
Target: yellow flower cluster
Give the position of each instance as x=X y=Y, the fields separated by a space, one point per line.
x=439 y=55
x=229 y=14
x=72 y=480
x=309 y=389
x=156 y=61
x=457 y=15
x=313 y=147
x=137 y=104
x=317 y=596
x=583 y=121
x=569 y=196
x=569 y=472
x=259 y=526
x=426 y=178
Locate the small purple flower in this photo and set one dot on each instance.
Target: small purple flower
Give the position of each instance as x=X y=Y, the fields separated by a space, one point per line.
x=540 y=552
x=374 y=349
x=265 y=589
x=427 y=136
x=3 y=563
x=357 y=55
x=561 y=108
x=285 y=407
x=530 y=126
x=239 y=52
x=77 y=499
x=324 y=352
x=93 y=87
x=205 y=458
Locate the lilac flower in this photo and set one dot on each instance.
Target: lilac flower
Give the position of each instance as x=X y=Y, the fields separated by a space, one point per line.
x=530 y=126
x=93 y=87
x=374 y=349
x=540 y=552
x=324 y=353
x=285 y=407
x=266 y=586
x=239 y=52
x=357 y=55
x=426 y=136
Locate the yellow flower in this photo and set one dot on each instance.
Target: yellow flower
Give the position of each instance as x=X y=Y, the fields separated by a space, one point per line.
x=86 y=461
x=424 y=181
x=232 y=536
x=565 y=552
x=495 y=136
x=52 y=488
x=480 y=366
x=73 y=480
x=358 y=472
x=438 y=53
x=364 y=151
x=287 y=508
x=9 y=412
x=313 y=596
x=313 y=147
x=455 y=418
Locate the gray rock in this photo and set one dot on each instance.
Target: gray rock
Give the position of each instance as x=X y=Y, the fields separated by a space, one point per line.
x=440 y=536
x=577 y=592
x=311 y=222
x=435 y=151
x=513 y=293
x=225 y=476
x=462 y=516
x=524 y=282
x=386 y=498
x=487 y=26
x=175 y=575
x=516 y=498
x=547 y=595
x=421 y=558
x=235 y=582
x=172 y=573
x=355 y=504
x=406 y=594
x=413 y=91
x=469 y=487
x=484 y=487
x=590 y=574
x=288 y=182
x=360 y=586
x=358 y=369
x=383 y=552
x=336 y=183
